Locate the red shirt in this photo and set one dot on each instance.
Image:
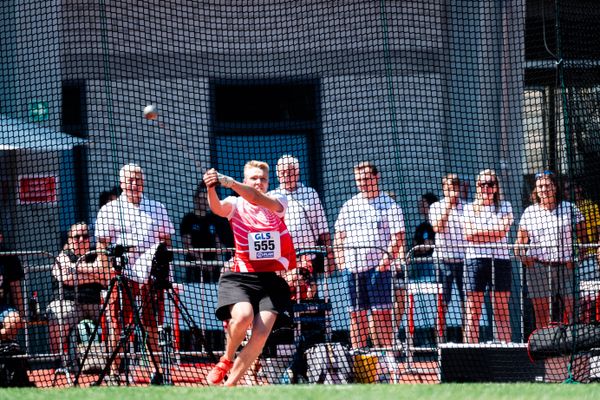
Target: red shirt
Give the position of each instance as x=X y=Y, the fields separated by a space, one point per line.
x=262 y=240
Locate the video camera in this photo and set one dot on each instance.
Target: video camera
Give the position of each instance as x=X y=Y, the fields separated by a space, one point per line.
x=118 y=250
x=160 y=270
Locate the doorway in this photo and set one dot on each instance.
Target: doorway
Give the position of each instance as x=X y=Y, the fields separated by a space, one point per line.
x=263 y=120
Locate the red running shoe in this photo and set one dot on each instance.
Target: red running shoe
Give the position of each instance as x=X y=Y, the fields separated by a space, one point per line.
x=219 y=371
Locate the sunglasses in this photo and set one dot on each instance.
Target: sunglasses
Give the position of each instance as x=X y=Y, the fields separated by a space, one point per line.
x=488 y=184
x=82 y=236
x=543 y=174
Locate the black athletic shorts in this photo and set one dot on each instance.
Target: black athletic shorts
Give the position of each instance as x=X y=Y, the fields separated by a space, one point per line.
x=266 y=291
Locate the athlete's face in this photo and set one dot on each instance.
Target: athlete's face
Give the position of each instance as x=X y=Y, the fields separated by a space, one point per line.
x=257 y=178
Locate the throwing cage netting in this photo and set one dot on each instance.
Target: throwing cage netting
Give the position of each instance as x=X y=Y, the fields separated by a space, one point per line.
x=452 y=233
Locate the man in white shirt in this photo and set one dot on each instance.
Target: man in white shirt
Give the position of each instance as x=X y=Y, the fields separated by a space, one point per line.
x=306 y=222
x=369 y=239
x=139 y=224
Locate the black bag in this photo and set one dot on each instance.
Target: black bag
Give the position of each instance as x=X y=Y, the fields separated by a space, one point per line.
x=559 y=340
x=13 y=370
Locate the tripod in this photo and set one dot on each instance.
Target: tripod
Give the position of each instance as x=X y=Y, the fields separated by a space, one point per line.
x=121 y=287
x=164 y=288
x=159 y=285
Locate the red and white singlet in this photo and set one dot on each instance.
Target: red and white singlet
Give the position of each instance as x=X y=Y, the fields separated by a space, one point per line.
x=262 y=241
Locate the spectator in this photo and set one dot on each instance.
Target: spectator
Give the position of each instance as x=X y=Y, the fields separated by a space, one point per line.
x=589 y=269
x=547 y=226
x=425 y=234
x=446 y=219
x=203 y=229
x=487 y=220
x=105 y=197
x=369 y=239
x=419 y=269
x=139 y=224
x=252 y=294
x=305 y=219
x=11 y=295
x=574 y=192
x=590 y=258
x=81 y=273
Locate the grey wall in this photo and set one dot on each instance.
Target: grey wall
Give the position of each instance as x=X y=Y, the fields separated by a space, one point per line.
x=31 y=72
x=174 y=156
x=413 y=79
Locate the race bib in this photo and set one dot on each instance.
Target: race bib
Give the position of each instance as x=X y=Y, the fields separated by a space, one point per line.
x=264 y=245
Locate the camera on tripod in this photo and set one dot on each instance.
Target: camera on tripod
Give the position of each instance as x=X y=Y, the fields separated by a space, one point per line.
x=160 y=270
x=135 y=306
x=117 y=250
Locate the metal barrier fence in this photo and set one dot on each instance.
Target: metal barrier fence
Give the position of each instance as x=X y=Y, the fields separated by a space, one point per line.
x=588 y=286
x=422 y=294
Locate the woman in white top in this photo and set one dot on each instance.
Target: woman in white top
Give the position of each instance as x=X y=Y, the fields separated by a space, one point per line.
x=487 y=221
x=547 y=226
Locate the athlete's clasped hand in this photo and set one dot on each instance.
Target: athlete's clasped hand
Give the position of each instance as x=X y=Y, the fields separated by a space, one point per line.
x=212 y=177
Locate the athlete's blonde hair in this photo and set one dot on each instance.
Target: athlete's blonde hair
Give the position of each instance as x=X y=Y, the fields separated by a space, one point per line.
x=256 y=164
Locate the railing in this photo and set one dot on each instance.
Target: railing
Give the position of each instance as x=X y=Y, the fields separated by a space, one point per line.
x=26 y=286
x=435 y=288
x=335 y=297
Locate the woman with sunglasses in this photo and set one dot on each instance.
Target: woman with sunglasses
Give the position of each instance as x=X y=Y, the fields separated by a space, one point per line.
x=547 y=226
x=486 y=221
x=78 y=272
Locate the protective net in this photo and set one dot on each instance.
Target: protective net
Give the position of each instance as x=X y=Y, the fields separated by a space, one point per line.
x=433 y=178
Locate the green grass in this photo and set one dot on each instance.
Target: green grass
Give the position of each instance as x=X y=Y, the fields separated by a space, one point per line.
x=314 y=392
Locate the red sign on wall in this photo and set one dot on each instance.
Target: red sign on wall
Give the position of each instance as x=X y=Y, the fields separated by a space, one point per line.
x=37 y=189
